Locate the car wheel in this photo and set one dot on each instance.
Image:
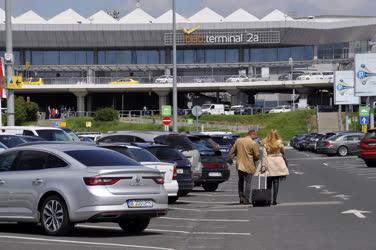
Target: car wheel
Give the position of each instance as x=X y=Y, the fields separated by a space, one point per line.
x=210 y=187
x=172 y=199
x=54 y=216
x=183 y=193
x=134 y=226
x=370 y=163
x=342 y=151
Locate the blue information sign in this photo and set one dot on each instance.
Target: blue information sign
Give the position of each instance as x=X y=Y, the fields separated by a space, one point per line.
x=364 y=120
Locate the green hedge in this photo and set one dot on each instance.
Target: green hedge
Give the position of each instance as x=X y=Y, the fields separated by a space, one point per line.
x=106 y=115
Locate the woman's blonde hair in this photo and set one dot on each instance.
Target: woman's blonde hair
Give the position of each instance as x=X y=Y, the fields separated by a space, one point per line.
x=273 y=141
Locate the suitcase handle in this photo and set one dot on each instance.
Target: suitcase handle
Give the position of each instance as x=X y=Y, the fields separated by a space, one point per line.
x=259 y=182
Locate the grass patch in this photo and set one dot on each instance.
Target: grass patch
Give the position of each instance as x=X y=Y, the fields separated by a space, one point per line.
x=79 y=125
x=288 y=124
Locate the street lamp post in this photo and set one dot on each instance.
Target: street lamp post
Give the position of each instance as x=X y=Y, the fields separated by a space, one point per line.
x=174 y=72
x=9 y=61
x=291 y=62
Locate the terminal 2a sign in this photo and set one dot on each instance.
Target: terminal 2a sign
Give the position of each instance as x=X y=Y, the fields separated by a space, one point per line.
x=193 y=37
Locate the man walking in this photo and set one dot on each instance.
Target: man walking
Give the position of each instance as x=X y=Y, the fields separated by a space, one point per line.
x=245 y=152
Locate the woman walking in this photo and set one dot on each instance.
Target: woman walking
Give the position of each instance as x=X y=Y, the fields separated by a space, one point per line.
x=273 y=162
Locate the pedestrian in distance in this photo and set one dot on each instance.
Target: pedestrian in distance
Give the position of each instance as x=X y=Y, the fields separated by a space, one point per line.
x=245 y=152
x=273 y=162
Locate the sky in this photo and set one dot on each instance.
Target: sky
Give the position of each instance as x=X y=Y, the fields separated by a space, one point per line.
x=259 y=8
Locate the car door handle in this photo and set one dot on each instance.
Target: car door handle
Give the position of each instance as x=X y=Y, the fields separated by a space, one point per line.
x=37 y=181
x=2 y=182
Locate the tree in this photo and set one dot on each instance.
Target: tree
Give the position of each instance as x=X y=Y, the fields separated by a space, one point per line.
x=114 y=13
x=106 y=115
x=25 y=111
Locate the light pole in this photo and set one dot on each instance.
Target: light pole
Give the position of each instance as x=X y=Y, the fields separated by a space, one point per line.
x=174 y=72
x=291 y=62
x=9 y=61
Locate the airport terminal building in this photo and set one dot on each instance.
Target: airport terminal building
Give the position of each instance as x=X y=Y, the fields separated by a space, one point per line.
x=78 y=58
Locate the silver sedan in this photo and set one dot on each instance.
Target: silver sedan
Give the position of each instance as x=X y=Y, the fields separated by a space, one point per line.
x=58 y=185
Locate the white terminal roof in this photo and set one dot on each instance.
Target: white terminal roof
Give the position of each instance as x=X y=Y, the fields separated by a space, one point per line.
x=102 y=17
x=167 y=18
x=206 y=15
x=240 y=16
x=277 y=15
x=29 y=17
x=137 y=16
x=68 y=17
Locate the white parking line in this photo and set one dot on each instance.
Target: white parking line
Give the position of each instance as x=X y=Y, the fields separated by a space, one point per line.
x=207 y=220
x=324 y=158
x=325 y=164
x=151 y=230
x=228 y=209
x=74 y=242
x=209 y=202
x=318 y=203
x=214 y=195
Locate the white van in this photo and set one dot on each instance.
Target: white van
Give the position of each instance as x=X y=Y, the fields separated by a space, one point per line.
x=213 y=109
x=47 y=133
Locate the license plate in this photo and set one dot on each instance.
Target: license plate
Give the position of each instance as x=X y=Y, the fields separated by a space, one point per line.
x=140 y=203
x=180 y=171
x=215 y=174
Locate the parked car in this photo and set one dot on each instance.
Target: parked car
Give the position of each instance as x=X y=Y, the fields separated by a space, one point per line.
x=47 y=133
x=312 y=144
x=183 y=165
x=298 y=140
x=73 y=135
x=126 y=80
x=203 y=79
x=341 y=144
x=11 y=141
x=58 y=185
x=164 y=79
x=281 y=109
x=88 y=135
x=28 y=138
x=237 y=109
x=328 y=75
x=147 y=159
x=286 y=76
x=238 y=78
x=214 y=168
x=225 y=144
x=174 y=140
x=368 y=148
x=314 y=75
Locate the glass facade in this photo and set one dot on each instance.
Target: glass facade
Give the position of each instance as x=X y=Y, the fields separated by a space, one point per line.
x=38 y=57
x=333 y=51
x=191 y=56
x=278 y=54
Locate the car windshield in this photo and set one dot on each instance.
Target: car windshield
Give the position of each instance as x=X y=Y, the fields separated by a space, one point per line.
x=166 y=153
x=11 y=140
x=54 y=135
x=370 y=135
x=222 y=141
x=99 y=158
x=176 y=141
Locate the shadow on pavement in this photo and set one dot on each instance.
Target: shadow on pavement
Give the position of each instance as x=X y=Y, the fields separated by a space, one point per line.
x=37 y=230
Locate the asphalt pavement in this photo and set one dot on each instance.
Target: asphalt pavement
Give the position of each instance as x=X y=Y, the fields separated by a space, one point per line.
x=326 y=203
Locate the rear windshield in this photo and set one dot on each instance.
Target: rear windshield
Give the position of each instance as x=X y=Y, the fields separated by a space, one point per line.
x=176 y=141
x=11 y=140
x=53 y=135
x=370 y=135
x=142 y=155
x=221 y=141
x=166 y=154
x=99 y=158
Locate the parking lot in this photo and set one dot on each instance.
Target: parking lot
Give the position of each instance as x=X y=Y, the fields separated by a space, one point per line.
x=317 y=210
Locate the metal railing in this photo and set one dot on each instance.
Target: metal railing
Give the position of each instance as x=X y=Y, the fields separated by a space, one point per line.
x=145 y=80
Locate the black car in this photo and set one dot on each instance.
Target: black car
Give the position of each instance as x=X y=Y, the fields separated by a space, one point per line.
x=183 y=165
x=11 y=141
x=214 y=168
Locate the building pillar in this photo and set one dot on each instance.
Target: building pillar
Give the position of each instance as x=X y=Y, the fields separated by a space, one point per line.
x=80 y=103
x=163 y=97
x=90 y=76
x=167 y=71
x=89 y=103
x=234 y=96
x=315 y=52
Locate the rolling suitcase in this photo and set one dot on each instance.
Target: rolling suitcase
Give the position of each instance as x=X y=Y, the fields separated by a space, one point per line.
x=261 y=197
